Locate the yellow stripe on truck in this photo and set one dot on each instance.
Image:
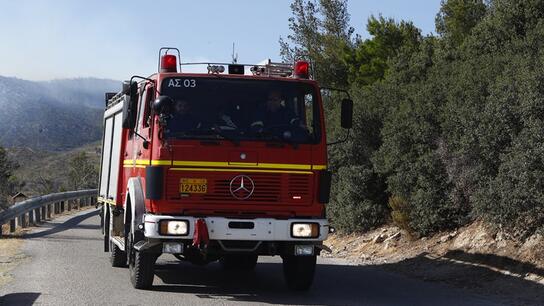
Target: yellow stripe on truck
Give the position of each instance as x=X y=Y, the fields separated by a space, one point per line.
x=241 y=170
x=212 y=164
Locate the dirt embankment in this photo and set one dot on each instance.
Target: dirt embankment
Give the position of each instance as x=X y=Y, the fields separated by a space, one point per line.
x=473 y=257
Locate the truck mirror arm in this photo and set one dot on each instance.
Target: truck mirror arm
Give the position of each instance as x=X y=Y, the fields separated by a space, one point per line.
x=346 y=138
x=145 y=143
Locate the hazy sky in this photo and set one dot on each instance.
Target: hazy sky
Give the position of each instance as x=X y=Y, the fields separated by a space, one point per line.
x=43 y=40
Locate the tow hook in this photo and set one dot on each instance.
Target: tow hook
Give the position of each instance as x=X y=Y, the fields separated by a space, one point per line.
x=201 y=237
x=324 y=248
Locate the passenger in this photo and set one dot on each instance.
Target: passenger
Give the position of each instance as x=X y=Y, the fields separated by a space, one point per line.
x=182 y=120
x=274 y=114
x=227 y=116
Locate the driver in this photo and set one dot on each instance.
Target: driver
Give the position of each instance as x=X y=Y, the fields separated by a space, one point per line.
x=274 y=114
x=182 y=120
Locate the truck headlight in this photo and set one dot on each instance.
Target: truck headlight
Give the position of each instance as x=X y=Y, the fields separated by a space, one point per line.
x=305 y=230
x=174 y=227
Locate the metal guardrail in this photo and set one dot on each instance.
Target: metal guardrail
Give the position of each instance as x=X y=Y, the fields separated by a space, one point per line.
x=34 y=210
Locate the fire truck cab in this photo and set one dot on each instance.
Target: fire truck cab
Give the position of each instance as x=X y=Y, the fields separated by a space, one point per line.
x=223 y=166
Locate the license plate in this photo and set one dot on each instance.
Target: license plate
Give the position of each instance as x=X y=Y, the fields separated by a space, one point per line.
x=193 y=185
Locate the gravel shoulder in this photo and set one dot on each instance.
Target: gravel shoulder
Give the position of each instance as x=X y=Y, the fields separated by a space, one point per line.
x=10 y=257
x=473 y=258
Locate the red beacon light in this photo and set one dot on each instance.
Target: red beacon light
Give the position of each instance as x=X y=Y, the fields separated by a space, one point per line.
x=169 y=63
x=302 y=69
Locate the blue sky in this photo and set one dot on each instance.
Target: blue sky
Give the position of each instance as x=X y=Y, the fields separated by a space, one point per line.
x=43 y=40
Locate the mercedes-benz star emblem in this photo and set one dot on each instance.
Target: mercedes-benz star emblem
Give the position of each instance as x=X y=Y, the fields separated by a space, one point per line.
x=241 y=187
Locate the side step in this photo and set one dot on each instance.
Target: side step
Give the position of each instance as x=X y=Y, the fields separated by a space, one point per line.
x=119 y=241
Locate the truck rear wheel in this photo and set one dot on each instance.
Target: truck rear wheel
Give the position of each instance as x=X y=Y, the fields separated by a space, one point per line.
x=246 y=262
x=118 y=258
x=299 y=271
x=142 y=270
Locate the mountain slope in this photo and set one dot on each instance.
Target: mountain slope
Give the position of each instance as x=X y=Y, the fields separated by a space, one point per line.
x=56 y=115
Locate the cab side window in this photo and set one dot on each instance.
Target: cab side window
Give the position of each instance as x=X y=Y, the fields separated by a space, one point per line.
x=147 y=106
x=143 y=108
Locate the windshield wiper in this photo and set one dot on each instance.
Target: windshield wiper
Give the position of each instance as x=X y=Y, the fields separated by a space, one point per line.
x=217 y=130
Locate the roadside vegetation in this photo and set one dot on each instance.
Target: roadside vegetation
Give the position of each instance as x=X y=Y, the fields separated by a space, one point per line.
x=449 y=127
x=34 y=172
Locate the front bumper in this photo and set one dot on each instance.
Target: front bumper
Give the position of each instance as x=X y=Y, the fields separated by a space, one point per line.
x=264 y=229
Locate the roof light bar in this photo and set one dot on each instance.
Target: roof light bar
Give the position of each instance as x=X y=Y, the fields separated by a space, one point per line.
x=216 y=69
x=302 y=69
x=272 y=69
x=169 y=63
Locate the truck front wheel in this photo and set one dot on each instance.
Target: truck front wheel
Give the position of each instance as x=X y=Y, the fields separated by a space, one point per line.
x=142 y=269
x=245 y=262
x=299 y=271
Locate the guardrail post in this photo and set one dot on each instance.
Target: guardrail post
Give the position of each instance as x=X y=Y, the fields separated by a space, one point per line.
x=31 y=218
x=69 y=204
x=49 y=208
x=12 y=225
x=43 y=212
x=62 y=206
x=37 y=216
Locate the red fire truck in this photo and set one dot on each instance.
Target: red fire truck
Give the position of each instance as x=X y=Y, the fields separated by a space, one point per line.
x=227 y=165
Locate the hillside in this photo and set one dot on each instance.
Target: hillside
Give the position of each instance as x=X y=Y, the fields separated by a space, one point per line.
x=55 y=116
x=40 y=170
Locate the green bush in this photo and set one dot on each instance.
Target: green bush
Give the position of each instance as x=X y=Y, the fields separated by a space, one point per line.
x=359 y=203
x=400 y=213
x=451 y=125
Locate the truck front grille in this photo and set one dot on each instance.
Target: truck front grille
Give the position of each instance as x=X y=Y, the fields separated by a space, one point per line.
x=269 y=187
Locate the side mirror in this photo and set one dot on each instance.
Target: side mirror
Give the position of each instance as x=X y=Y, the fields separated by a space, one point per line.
x=347 y=114
x=163 y=105
x=130 y=107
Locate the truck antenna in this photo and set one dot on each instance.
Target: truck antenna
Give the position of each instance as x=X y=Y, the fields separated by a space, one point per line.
x=234 y=55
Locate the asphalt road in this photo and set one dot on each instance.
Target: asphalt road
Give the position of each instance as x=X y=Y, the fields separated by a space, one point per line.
x=68 y=267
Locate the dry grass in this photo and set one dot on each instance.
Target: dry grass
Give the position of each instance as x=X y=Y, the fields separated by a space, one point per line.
x=10 y=257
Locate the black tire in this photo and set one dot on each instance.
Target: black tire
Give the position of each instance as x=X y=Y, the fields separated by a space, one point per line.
x=105 y=224
x=142 y=270
x=299 y=271
x=118 y=258
x=244 y=262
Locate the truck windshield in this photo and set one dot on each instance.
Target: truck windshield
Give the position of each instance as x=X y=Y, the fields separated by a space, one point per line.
x=234 y=109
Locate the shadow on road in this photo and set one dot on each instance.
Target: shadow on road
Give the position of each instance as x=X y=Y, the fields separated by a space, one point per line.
x=498 y=262
x=482 y=273
x=23 y=298
x=74 y=222
x=349 y=285
x=334 y=285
